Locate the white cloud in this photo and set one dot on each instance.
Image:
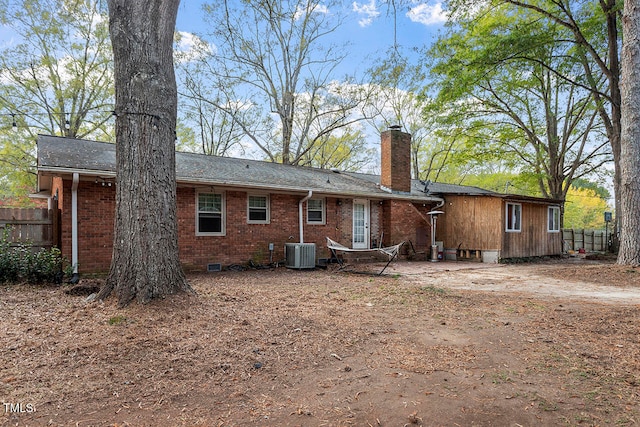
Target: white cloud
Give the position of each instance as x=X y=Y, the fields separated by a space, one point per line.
x=319 y=8
x=239 y=105
x=428 y=15
x=369 y=10
x=189 y=47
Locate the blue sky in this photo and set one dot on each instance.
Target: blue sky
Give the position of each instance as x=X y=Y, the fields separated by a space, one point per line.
x=368 y=27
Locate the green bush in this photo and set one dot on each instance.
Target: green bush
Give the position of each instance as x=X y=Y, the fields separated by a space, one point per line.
x=9 y=260
x=23 y=263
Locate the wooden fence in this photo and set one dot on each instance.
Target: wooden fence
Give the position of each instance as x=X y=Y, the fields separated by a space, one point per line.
x=39 y=227
x=589 y=240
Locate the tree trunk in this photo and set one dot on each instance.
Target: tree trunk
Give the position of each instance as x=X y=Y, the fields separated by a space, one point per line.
x=610 y=7
x=629 y=253
x=145 y=262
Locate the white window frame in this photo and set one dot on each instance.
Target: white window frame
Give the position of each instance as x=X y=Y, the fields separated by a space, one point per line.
x=323 y=210
x=553 y=219
x=266 y=209
x=516 y=219
x=223 y=215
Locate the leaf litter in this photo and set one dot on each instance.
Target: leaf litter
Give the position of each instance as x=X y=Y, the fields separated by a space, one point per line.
x=285 y=347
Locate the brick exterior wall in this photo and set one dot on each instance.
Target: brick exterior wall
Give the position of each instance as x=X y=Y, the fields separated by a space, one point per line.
x=96 y=209
x=57 y=190
x=395 y=160
x=242 y=241
x=405 y=221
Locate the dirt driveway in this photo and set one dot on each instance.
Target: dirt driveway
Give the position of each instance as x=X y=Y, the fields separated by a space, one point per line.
x=584 y=280
x=441 y=344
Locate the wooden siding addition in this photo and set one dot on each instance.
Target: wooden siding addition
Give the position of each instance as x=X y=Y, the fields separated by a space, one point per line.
x=533 y=239
x=477 y=223
x=470 y=222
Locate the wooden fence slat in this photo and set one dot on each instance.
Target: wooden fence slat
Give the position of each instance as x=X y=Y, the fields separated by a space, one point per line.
x=36 y=226
x=587 y=239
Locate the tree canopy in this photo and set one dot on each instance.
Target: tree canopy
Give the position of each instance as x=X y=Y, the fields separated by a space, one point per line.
x=520 y=87
x=274 y=74
x=56 y=78
x=498 y=75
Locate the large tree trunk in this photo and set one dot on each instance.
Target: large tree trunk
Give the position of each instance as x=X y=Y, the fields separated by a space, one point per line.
x=145 y=261
x=610 y=7
x=630 y=136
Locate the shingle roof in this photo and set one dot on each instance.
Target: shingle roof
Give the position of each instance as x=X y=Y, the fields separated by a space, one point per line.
x=433 y=188
x=442 y=188
x=65 y=155
x=59 y=156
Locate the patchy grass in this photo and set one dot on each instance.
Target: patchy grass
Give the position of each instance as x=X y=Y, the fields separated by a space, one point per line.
x=117 y=320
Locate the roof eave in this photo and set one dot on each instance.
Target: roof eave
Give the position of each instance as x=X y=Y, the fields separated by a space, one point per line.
x=48 y=170
x=514 y=197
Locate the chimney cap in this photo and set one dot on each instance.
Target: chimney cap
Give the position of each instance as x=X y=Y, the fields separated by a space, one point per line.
x=395 y=127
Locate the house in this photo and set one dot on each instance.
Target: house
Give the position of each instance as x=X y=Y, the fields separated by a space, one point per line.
x=234 y=210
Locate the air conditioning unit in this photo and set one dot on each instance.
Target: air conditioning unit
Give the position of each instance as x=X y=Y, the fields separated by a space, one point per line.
x=300 y=255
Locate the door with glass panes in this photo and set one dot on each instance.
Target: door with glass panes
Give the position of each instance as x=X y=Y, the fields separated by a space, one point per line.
x=360 y=224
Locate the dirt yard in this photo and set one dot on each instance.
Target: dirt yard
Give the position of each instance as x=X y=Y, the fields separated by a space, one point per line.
x=432 y=344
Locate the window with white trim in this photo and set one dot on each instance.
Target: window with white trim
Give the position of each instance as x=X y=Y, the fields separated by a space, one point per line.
x=513 y=217
x=315 y=211
x=210 y=218
x=553 y=222
x=258 y=209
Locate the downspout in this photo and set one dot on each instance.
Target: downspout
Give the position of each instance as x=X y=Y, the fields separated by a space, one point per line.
x=74 y=225
x=307 y=197
x=433 y=223
x=439 y=205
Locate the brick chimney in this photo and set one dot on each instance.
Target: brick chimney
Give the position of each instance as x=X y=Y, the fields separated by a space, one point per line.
x=395 y=162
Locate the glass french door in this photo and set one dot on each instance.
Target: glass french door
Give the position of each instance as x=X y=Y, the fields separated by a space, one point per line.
x=360 y=224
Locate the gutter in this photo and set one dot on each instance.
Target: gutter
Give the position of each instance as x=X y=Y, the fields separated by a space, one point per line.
x=74 y=224
x=307 y=197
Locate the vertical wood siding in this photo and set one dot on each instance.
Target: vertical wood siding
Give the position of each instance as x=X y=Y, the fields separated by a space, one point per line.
x=478 y=223
x=471 y=222
x=533 y=239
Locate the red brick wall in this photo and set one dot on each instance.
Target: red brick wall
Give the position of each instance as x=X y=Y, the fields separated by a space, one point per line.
x=405 y=221
x=375 y=222
x=96 y=208
x=64 y=204
x=243 y=241
x=57 y=190
x=96 y=211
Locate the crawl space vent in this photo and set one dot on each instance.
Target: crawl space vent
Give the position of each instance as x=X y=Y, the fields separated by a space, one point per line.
x=214 y=267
